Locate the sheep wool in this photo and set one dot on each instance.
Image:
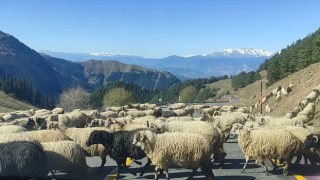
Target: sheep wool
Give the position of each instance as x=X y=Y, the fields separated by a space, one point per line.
x=189 y=150
x=11 y=129
x=46 y=135
x=22 y=159
x=65 y=155
x=80 y=136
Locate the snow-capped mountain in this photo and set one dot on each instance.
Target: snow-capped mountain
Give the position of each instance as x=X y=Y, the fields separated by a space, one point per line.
x=228 y=61
x=106 y=54
x=241 y=53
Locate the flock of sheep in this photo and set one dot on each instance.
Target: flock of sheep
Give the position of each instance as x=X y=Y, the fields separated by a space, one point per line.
x=53 y=140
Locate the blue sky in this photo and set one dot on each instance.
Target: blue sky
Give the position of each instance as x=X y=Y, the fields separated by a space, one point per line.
x=158 y=28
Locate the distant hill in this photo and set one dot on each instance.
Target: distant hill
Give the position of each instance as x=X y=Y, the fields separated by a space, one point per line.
x=99 y=73
x=53 y=75
x=226 y=62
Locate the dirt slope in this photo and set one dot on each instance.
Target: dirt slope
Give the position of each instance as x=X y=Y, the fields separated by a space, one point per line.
x=303 y=81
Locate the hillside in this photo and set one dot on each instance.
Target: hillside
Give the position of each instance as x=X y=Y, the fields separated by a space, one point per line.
x=303 y=82
x=19 y=61
x=293 y=58
x=52 y=75
x=9 y=104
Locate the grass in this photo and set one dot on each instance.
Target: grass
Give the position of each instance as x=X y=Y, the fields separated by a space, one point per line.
x=222 y=84
x=9 y=104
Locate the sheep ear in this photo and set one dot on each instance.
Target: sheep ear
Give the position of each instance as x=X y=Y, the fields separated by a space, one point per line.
x=315 y=138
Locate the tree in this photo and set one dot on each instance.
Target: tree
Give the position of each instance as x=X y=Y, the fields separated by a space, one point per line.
x=117 y=97
x=188 y=94
x=74 y=98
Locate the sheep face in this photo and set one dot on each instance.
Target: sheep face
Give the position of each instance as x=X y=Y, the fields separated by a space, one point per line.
x=236 y=129
x=138 y=139
x=312 y=141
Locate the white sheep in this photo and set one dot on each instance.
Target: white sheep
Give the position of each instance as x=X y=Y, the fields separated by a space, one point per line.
x=284 y=92
x=190 y=150
x=200 y=127
x=274 y=91
x=269 y=121
x=311 y=97
x=135 y=113
x=278 y=97
x=181 y=118
x=46 y=135
x=177 y=106
x=180 y=112
x=11 y=129
x=4 y=138
x=80 y=136
x=57 y=111
x=108 y=114
x=208 y=110
x=309 y=110
x=225 y=121
x=67 y=156
x=302 y=118
x=142 y=120
x=303 y=103
x=268 y=109
x=75 y=119
x=267 y=143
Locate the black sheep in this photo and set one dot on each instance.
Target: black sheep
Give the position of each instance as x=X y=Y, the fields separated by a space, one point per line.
x=119 y=146
x=22 y=159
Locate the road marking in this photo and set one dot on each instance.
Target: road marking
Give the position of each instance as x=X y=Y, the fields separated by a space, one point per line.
x=112 y=175
x=299 y=177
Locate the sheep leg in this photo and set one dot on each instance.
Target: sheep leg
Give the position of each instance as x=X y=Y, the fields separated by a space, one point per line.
x=103 y=162
x=227 y=135
x=125 y=166
x=194 y=171
x=275 y=167
x=266 y=169
x=245 y=165
x=145 y=167
x=299 y=157
x=167 y=174
x=119 y=169
x=156 y=173
x=207 y=171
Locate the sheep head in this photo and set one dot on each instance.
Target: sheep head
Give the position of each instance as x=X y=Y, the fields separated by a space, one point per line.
x=99 y=137
x=236 y=129
x=143 y=138
x=312 y=141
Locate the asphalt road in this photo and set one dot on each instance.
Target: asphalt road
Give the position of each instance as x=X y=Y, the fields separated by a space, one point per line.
x=230 y=171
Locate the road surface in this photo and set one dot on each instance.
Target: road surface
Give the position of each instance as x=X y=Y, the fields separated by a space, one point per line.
x=231 y=170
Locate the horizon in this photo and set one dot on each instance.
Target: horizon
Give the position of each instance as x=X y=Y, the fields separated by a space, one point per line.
x=158 y=29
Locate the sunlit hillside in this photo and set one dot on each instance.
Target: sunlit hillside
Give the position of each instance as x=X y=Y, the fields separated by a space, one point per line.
x=8 y=104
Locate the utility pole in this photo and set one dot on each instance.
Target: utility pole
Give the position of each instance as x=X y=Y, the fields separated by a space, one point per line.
x=261 y=98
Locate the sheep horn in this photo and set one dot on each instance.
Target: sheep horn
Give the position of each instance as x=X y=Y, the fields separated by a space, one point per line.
x=315 y=138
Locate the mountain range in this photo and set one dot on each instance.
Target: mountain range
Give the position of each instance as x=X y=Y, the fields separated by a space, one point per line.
x=218 y=63
x=53 y=75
